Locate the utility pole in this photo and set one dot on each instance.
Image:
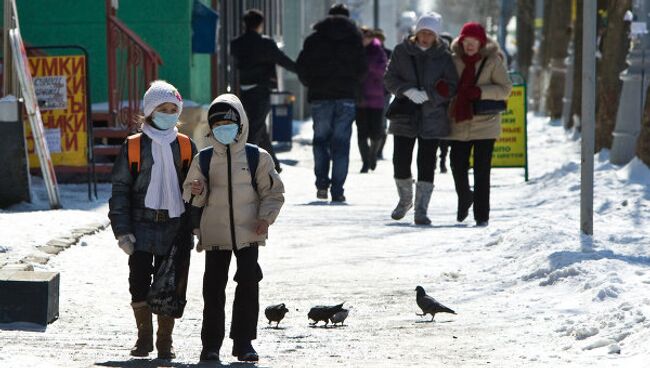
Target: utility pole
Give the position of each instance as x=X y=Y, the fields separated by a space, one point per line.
x=375 y=14
x=590 y=15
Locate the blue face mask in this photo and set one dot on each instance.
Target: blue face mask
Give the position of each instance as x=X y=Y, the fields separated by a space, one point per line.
x=164 y=121
x=226 y=134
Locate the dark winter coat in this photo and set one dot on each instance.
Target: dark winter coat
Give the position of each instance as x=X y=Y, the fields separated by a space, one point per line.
x=433 y=65
x=332 y=63
x=126 y=205
x=373 y=85
x=256 y=57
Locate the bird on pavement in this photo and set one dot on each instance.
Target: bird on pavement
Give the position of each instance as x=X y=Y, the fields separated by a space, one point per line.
x=339 y=317
x=275 y=313
x=323 y=313
x=429 y=305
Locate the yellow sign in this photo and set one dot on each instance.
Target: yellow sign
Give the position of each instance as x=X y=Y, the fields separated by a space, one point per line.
x=60 y=86
x=510 y=148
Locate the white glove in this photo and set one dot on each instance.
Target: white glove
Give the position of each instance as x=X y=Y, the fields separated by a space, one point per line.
x=127 y=243
x=417 y=96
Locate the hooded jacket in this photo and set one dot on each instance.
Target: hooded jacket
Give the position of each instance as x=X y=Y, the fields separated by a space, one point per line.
x=433 y=65
x=231 y=207
x=373 y=86
x=332 y=62
x=494 y=83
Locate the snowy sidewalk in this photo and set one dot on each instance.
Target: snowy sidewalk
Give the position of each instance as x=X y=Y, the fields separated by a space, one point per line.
x=524 y=292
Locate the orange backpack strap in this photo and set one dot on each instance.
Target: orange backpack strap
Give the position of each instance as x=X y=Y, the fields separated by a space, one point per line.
x=186 y=150
x=133 y=150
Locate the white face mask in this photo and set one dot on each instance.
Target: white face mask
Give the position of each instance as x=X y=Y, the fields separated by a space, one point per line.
x=164 y=121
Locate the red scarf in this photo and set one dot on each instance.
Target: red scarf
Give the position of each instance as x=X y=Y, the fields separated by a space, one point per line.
x=463 y=107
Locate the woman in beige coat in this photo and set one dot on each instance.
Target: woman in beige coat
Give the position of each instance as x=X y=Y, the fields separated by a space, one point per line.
x=478 y=132
x=238 y=208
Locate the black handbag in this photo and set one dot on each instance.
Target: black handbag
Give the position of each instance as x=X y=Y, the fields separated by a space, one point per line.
x=402 y=108
x=487 y=107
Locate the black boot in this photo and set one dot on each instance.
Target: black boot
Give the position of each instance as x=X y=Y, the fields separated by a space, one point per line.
x=464 y=203
x=210 y=354
x=244 y=351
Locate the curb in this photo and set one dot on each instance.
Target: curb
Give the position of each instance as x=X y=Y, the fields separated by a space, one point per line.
x=54 y=247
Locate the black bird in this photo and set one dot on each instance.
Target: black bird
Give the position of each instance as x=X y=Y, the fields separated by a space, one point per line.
x=323 y=313
x=339 y=317
x=275 y=313
x=429 y=305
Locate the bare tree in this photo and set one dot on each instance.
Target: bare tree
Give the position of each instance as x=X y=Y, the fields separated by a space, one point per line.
x=558 y=33
x=615 y=45
x=525 y=35
x=643 y=142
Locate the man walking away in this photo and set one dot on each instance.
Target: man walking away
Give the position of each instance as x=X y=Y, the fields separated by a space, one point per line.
x=332 y=65
x=256 y=56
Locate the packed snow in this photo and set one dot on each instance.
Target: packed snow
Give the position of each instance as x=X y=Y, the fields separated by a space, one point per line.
x=528 y=290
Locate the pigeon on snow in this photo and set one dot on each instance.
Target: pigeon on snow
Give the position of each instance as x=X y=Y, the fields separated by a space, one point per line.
x=323 y=313
x=339 y=317
x=275 y=313
x=429 y=305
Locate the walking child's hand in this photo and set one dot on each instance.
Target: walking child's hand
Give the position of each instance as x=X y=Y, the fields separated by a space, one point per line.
x=262 y=227
x=197 y=187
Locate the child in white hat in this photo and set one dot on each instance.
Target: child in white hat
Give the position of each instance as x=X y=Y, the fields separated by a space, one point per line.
x=147 y=212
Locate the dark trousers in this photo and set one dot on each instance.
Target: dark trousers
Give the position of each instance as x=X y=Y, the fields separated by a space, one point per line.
x=369 y=128
x=444 y=149
x=459 y=158
x=142 y=265
x=403 y=156
x=246 y=304
x=257 y=104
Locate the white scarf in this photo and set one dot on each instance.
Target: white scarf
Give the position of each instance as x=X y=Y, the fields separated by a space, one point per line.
x=163 y=192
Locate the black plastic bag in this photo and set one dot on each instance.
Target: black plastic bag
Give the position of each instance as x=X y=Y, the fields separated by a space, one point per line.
x=167 y=293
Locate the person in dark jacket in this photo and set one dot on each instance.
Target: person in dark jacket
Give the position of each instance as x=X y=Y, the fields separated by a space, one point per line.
x=147 y=212
x=256 y=57
x=332 y=65
x=430 y=89
x=370 y=110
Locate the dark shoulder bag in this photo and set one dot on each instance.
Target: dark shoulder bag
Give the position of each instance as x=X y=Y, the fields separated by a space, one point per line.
x=402 y=107
x=487 y=107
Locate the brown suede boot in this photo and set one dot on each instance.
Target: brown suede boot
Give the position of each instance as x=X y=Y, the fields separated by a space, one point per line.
x=144 y=344
x=164 y=337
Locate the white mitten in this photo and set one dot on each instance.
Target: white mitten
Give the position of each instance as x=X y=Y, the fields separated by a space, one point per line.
x=127 y=243
x=199 y=246
x=417 y=96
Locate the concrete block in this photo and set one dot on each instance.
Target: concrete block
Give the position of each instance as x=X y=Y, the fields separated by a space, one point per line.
x=50 y=249
x=29 y=296
x=18 y=267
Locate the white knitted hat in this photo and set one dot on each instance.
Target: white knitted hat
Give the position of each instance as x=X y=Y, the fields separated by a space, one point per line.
x=431 y=22
x=158 y=93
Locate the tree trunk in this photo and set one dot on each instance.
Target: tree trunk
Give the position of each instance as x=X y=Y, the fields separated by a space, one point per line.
x=525 y=35
x=577 y=71
x=559 y=34
x=615 y=46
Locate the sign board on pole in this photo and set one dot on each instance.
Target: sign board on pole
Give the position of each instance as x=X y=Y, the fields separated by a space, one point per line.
x=34 y=115
x=60 y=87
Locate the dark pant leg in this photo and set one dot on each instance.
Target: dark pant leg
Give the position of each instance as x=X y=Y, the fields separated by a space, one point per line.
x=246 y=307
x=363 y=134
x=444 y=147
x=459 y=161
x=257 y=104
x=426 y=159
x=140 y=271
x=215 y=279
x=482 y=166
x=375 y=133
x=402 y=156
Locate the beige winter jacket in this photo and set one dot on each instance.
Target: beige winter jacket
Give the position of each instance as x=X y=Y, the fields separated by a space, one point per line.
x=230 y=204
x=494 y=83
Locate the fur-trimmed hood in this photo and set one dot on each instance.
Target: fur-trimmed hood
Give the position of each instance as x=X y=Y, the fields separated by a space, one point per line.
x=491 y=49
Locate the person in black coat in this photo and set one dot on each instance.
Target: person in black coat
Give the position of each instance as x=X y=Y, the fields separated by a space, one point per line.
x=332 y=65
x=256 y=57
